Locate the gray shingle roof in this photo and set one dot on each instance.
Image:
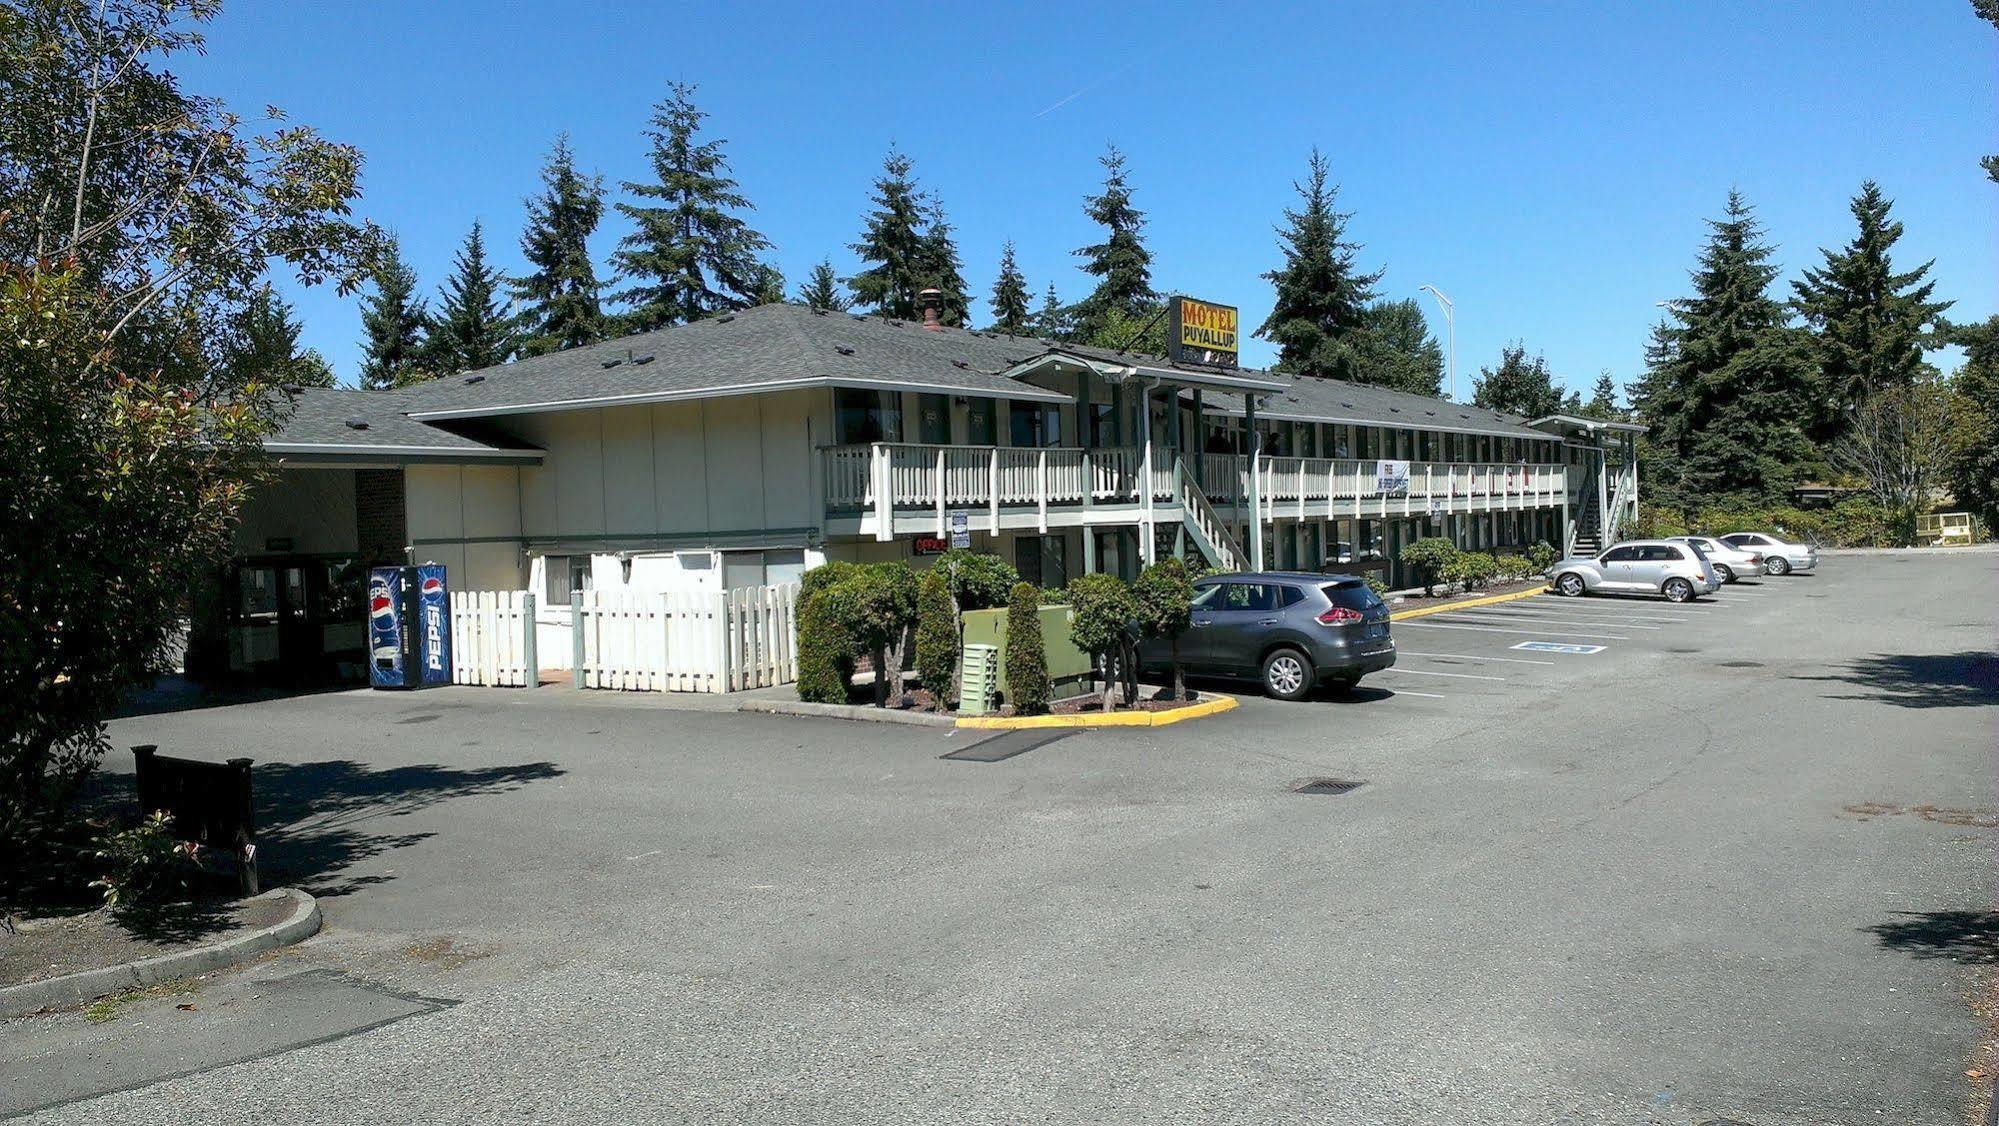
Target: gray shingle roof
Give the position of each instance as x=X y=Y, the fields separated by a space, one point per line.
x=767 y=348
x=336 y=422
x=1310 y=399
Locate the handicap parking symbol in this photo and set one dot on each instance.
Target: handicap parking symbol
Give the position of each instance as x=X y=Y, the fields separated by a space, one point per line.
x=1557 y=647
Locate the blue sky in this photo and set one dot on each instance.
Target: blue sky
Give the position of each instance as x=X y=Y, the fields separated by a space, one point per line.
x=1547 y=166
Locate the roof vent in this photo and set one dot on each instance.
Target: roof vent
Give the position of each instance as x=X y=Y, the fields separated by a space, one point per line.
x=960 y=364
x=843 y=350
x=611 y=363
x=1429 y=412
x=820 y=312
x=357 y=424
x=1346 y=404
x=645 y=359
x=471 y=379
x=725 y=318
x=1397 y=410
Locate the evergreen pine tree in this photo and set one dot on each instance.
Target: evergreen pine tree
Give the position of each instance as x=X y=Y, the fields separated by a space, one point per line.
x=1728 y=393
x=1870 y=323
x=822 y=292
x=263 y=345
x=1520 y=386
x=892 y=243
x=560 y=295
x=1121 y=263
x=1974 y=466
x=1399 y=351
x=1010 y=296
x=769 y=288
x=392 y=324
x=1052 y=322
x=471 y=329
x=940 y=269
x=690 y=255
x=1322 y=296
x=1603 y=398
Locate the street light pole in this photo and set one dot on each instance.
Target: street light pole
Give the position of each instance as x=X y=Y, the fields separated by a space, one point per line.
x=1451 y=324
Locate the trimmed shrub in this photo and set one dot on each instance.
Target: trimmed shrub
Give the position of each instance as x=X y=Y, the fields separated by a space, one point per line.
x=877 y=607
x=1429 y=556
x=1103 y=609
x=1473 y=570
x=1376 y=583
x=977 y=581
x=147 y=865
x=1026 y=664
x=1543 y=556
x=936 y=638
x=1165 y=597
x=1510 y=567
x=825 y=649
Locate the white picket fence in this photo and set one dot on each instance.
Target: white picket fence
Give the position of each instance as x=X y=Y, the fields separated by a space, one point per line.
x=492 y=638
x=727 y=642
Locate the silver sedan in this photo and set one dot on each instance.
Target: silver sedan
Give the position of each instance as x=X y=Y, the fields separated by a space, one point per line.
x=1780 y=556
x=1729 y=561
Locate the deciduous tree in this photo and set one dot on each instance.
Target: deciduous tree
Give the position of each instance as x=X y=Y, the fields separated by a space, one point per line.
x=1520 y=386
x=1398 y=350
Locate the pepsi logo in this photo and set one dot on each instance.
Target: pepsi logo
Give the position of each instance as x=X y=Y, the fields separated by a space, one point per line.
x=432 y=585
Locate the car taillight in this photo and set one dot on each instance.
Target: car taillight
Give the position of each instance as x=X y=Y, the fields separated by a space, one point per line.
x=1339 y=616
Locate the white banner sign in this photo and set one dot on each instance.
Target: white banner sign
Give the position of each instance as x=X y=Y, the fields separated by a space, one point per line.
x=1391 y=477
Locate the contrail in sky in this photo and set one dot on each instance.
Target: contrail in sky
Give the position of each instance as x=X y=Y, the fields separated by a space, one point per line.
x=1085 y=89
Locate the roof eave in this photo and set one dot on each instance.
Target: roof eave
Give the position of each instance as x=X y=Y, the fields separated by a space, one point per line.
x=723 y=391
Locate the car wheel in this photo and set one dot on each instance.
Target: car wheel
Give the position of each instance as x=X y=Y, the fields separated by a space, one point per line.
x=1678 y=590
x=1570 y=585
x=1727 y=575
x=1287 y=675
x=1778 y=565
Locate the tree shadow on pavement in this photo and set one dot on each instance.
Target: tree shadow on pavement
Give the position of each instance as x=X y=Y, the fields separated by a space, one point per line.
x=317 y=819
x=1962 y=936
x=1921 y=680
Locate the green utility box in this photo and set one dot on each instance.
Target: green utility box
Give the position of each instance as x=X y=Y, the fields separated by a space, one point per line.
x=981 y=680
x=1069 y=668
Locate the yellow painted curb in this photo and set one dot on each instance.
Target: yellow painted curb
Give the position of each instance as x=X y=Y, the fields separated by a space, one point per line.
x=1215 y=706
x=1489 y=600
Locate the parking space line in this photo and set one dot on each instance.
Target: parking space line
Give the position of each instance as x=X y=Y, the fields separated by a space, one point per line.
x=1476 y=616
x=1428 y=672
x=1654 y=619
x=1426 y=695
x=1470 y=657
x=1497 y=629
x=1640 y=610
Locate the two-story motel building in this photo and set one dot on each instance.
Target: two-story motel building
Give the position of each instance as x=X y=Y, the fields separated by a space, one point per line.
x=743 y=449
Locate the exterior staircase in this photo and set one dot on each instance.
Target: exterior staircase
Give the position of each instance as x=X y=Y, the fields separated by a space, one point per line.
x=1586 y=531
x=1204 y=526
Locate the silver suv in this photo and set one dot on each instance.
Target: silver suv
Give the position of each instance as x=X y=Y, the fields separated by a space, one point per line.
x=1677 y=571
x=1290 y=629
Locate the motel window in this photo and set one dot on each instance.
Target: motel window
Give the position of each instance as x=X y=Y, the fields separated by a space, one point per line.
x=867 y=416
x=980 y=427
x=563 y=575
x=1031 y=425
x=1041 y=560
x=933 y=419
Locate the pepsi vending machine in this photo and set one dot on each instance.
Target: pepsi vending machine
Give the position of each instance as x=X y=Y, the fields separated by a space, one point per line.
x=409 y=627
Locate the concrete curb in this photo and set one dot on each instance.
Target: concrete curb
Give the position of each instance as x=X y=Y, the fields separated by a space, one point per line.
x=1214 y=704
x=861 y=712
x=1489 y=600
x=79 y=988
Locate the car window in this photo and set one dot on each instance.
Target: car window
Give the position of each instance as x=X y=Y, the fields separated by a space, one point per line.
x=1738 y=539
x=1207 y=597
x=1289 y=596
x=1351 y=596
x=1620 y=555
x=1246 y=596
x=1700 y=548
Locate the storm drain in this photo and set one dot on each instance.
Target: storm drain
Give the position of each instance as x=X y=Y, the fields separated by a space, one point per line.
x=1326 y=787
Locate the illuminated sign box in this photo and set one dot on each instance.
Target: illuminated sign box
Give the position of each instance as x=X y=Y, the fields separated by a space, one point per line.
x=1201 y=332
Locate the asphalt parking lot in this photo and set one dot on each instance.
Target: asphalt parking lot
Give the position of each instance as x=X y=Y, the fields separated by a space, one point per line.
x=1735 y=865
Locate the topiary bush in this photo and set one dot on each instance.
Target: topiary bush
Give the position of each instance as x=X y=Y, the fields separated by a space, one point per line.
x=825 y=648
x=1026 y=663
x=877 y=605
x=1102 y=609
x=936 y=638
x=1543 y=556
x=1429 y=556
x=977 y=581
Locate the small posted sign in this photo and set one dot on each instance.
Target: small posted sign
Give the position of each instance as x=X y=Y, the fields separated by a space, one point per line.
x=961 y=530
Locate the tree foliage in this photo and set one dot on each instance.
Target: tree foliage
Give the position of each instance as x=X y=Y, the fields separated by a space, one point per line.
x=1974 y=466
x=1026 y=660
x=471 y=330
x=892 y=243
x=690 y=254
x=1322 y=296
x=822 y=290
x=1398 y=350
x=1603 y=399
x=1901 y=440
x=560 y=295
x=1120 y=263
x=1431 y=556
x=136 y=223
x=262 y=346
x=1869 y=323
x=978 y=580
x=1102 y=609
x=393 y=323
x=1727 y=390
x=1164 y=598
x=1009 y=301
x=1520 y=386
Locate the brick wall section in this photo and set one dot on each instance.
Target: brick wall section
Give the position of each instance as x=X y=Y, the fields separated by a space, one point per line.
x=380 y=528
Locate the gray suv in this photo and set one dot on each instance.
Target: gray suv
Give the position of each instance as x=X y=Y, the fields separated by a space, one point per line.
x=1290 y=629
